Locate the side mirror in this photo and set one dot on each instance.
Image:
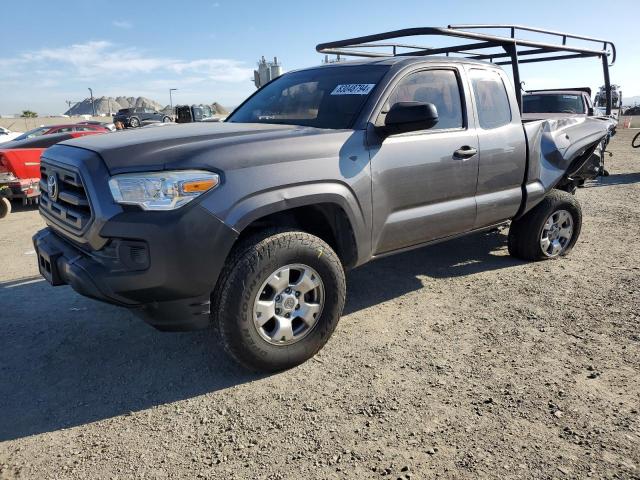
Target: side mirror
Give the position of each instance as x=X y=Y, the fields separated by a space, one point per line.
x=410 y=116
x=590 y=112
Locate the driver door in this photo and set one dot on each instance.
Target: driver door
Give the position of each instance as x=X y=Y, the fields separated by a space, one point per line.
x=424 y=182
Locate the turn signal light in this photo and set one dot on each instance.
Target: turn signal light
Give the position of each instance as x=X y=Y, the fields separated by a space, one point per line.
x=198 y=186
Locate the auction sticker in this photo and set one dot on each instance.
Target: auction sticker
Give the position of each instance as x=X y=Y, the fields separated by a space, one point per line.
x=353 y=89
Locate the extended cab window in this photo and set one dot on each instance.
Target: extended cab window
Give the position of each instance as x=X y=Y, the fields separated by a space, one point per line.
x=492 y=101
x=439 y=87
x=326 y=97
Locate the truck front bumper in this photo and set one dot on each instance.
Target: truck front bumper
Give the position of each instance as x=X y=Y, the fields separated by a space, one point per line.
x=163 y=265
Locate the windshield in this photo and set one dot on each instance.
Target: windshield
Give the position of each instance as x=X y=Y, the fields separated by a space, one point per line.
x=552 y=103
x=36 y=132
x=328 y=97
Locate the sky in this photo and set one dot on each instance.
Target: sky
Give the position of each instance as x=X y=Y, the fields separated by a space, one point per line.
x=207 y=49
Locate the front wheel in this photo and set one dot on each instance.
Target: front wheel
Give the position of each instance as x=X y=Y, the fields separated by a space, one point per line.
x=279 y=299
x=166 y=119
x=549 y=230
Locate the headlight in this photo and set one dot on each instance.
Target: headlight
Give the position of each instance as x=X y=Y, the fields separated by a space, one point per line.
x=161 y=190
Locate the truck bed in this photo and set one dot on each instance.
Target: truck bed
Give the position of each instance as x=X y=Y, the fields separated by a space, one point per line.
x=562 y=150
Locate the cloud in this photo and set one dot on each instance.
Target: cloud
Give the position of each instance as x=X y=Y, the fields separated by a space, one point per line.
x=122 y=24
x=103 y=58
x=43 y=79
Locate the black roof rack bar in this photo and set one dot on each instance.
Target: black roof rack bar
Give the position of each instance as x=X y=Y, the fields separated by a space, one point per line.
x=489 y=42
x=497 y=55
x=549 y=59
x=512 y=46
x=454 y=49
x=514 y=28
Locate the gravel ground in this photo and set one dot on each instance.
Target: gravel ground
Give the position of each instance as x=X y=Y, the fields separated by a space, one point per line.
x=454 y=361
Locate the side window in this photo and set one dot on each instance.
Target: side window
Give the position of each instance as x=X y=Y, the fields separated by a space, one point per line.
x=439 y=87
x=492 y=101
x=64 y=130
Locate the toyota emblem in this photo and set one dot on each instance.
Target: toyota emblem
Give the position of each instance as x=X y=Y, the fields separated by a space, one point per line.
x=52 y=187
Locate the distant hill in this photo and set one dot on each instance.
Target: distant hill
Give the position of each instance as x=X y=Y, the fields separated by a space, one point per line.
x=110 y=105
x=107 y=105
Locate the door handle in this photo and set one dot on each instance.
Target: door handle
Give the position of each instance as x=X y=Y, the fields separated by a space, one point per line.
x=465 y=152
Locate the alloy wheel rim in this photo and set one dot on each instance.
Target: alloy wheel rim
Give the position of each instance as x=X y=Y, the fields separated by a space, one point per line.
x=557 y=233
x=288 y=304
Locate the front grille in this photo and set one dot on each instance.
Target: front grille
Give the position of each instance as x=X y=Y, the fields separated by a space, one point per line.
x=68 y=204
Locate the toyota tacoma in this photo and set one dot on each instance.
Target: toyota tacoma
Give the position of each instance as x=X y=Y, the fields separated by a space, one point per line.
x=249 y=225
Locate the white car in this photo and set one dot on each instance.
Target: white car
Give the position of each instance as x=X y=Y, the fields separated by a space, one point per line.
x=6 y=135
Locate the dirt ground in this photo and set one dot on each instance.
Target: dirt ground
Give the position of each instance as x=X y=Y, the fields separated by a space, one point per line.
x=454 y=361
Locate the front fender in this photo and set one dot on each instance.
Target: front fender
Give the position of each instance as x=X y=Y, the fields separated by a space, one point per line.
x=264 y=203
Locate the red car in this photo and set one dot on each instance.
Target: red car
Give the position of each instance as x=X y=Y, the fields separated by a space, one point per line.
x=20 y=167
x=69 y=128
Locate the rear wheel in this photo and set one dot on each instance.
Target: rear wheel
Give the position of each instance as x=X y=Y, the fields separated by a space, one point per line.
x=166 y=119
x=279 y=299
x=5 y=207
x=549 y=230
x=134 y=122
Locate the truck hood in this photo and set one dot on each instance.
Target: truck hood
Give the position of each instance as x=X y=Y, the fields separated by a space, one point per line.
x=206 y=146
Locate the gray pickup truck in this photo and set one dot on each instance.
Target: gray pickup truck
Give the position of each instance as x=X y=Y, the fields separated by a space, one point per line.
x=249 y=225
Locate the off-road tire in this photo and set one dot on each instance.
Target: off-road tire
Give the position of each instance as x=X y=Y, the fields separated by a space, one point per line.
x=248 y=266
x=5 y=207
x=525 y=233
x=134 y=122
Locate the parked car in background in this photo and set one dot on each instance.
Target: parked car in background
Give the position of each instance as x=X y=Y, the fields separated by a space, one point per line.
x=20 y=167
x=195 y=113
x=108 y=125
x=7 y=135
x=68 y=128
x=137 y=117
x=616 y=96
x=632 y=111
x=555 y=103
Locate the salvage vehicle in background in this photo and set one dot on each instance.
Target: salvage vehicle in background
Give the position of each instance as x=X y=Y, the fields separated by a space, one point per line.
x=556 y=103
x=66 y=128
x=139 y=116
x=194 y=113
x=616 y=96
x=20 y=167
x=249 y=225
x=7 y=135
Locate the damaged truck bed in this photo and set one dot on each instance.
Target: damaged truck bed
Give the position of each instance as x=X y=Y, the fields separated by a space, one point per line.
x=563 y=153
